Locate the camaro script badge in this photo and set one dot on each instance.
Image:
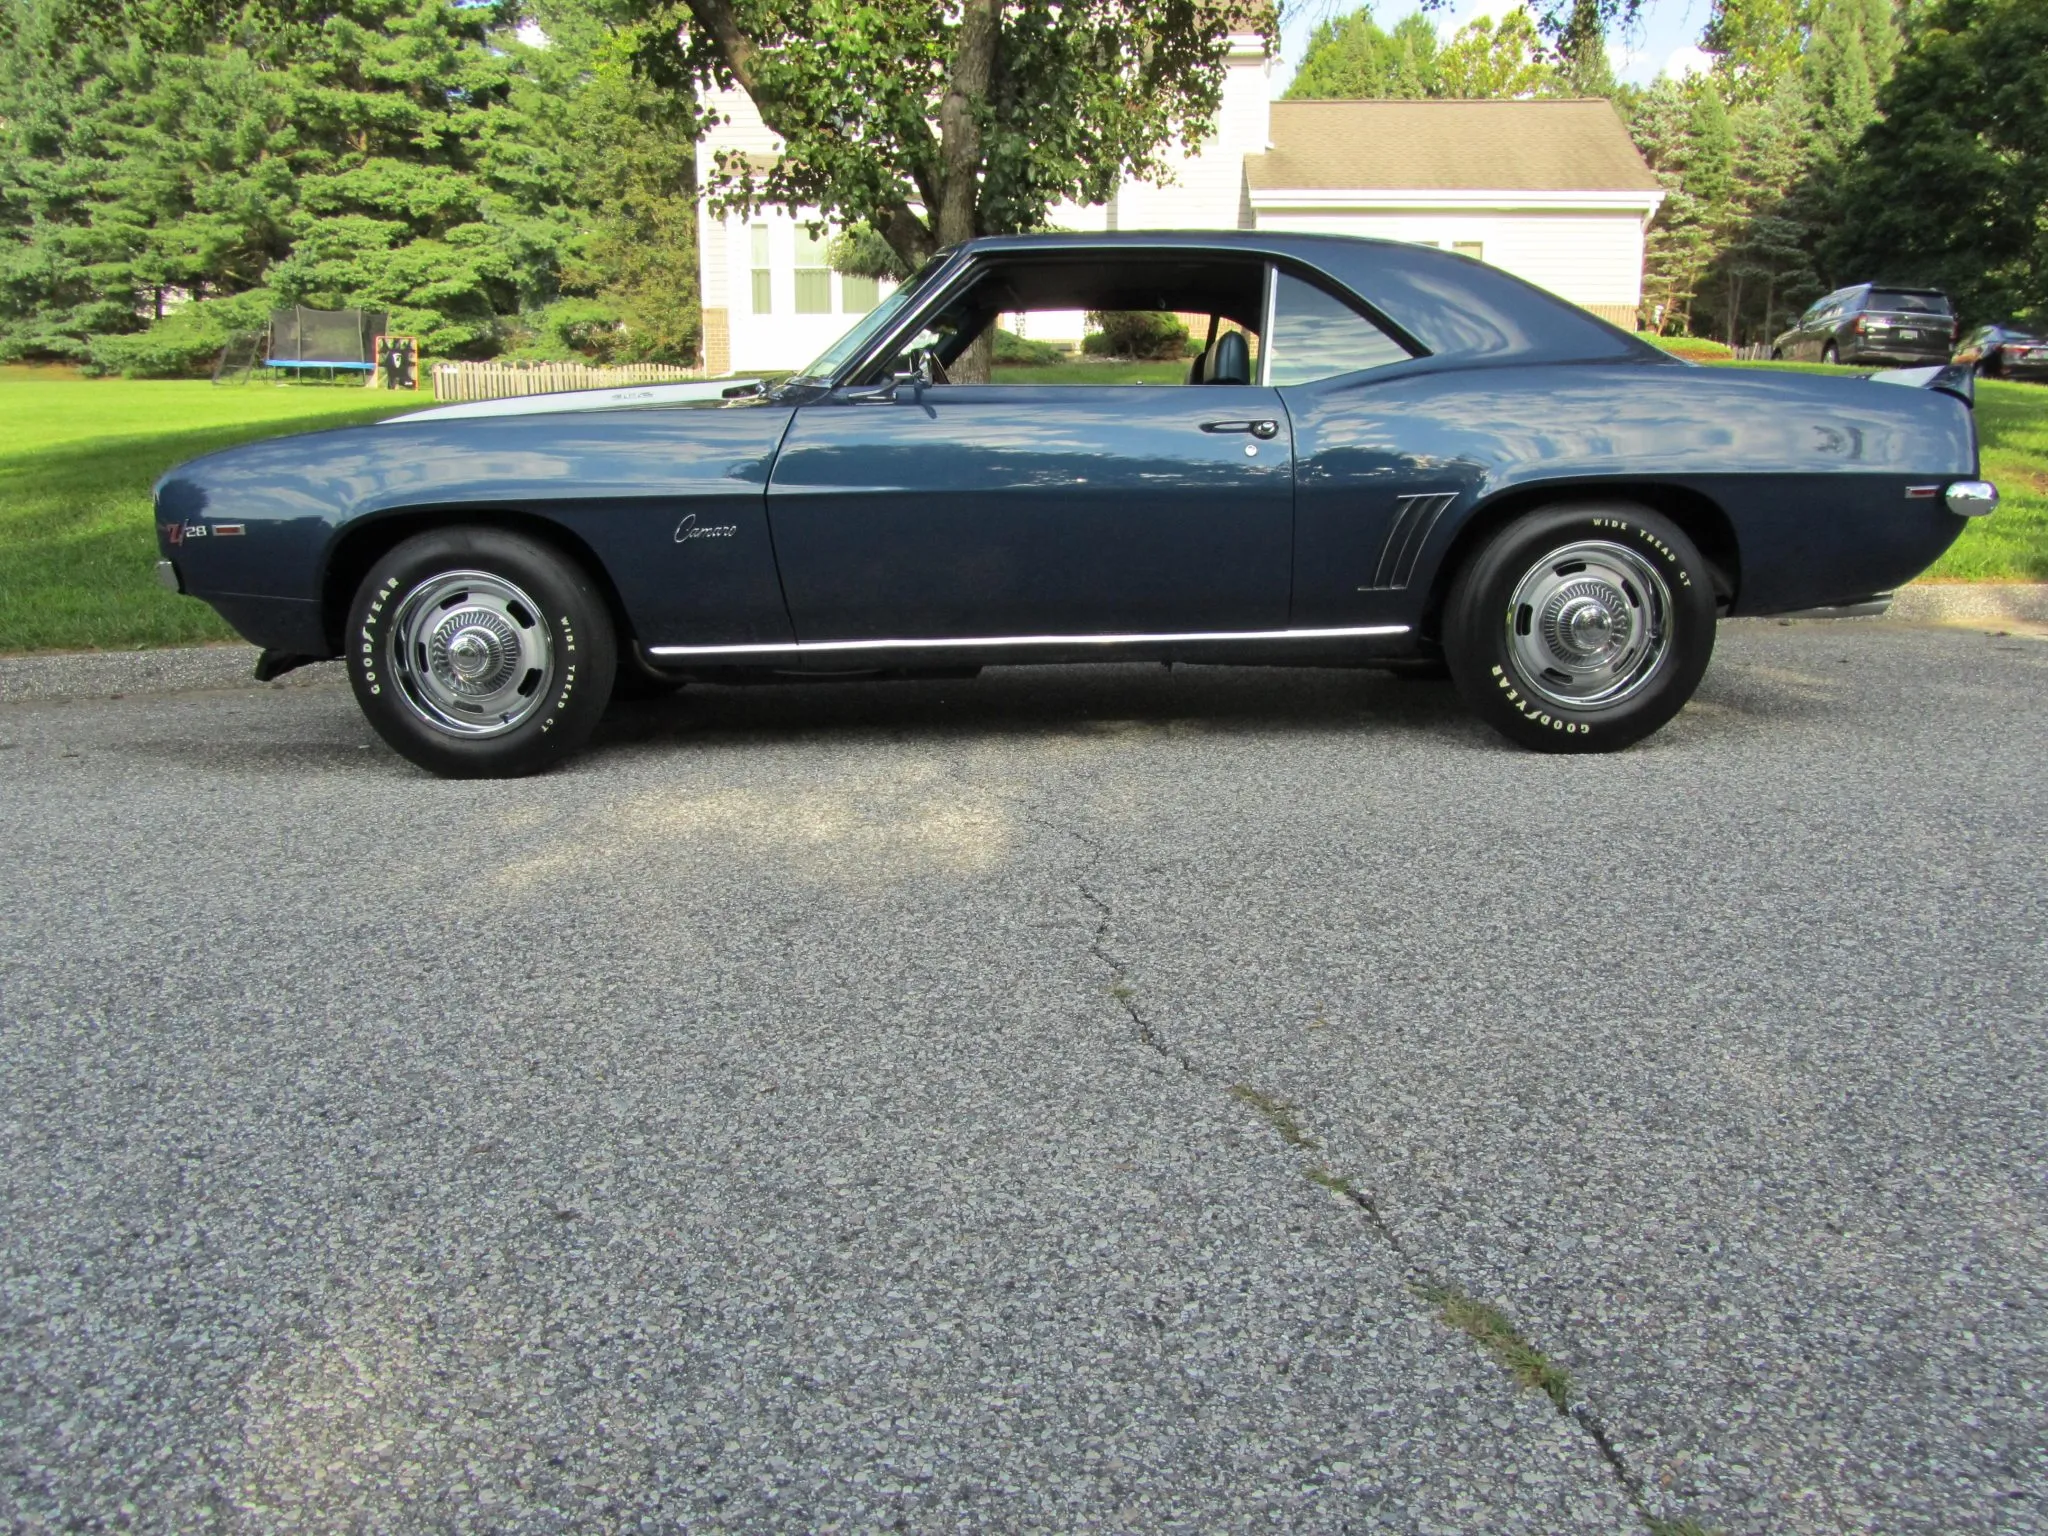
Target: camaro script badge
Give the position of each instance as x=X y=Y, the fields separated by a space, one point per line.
x=687 y=530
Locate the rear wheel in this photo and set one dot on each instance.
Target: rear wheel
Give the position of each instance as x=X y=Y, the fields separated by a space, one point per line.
x=480 y=653
x=1581 y=629
x=1829 y=355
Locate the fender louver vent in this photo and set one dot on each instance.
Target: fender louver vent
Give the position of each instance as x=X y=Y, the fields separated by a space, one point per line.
x=1414 y=517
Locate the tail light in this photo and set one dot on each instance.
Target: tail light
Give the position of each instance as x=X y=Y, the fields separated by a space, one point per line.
x=1862 y=324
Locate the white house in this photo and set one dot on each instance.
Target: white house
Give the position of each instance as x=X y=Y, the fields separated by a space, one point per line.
x=1552 y=191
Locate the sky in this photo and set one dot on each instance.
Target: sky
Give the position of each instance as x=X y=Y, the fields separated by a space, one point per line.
x=1664 y=39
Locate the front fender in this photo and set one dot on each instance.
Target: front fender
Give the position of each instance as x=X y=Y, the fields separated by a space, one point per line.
x=669 y=500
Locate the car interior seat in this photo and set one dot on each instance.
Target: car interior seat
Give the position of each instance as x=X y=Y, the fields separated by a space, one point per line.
x=1229 y=361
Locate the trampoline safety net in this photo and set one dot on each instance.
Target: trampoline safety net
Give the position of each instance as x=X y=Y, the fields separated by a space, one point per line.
x=325 y=338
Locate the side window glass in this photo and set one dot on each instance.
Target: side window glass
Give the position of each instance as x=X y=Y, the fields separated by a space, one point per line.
x=1316 y=335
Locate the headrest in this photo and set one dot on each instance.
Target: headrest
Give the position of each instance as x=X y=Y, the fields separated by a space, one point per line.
x=1229 y=361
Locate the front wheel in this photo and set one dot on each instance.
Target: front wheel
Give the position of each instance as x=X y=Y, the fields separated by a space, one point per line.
x=1581 y=629
x=480 y=653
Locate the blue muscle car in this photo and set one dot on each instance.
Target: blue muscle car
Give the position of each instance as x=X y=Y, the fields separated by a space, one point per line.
x=1384 y=455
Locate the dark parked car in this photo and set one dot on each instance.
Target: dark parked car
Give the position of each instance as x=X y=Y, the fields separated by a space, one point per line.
x=2004 y=352
x=1870 y=323
x=1384 y=455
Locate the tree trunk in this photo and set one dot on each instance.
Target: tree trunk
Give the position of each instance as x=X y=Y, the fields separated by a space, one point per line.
x=960 y=157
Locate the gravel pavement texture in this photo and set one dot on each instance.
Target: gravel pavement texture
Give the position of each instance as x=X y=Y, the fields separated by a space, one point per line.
x=893 y=1106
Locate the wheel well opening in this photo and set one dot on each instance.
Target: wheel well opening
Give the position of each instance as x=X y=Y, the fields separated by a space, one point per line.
x=363 y=545
x=1698 y=516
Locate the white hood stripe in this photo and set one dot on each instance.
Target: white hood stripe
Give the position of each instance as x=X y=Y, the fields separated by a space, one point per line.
x=578 y=400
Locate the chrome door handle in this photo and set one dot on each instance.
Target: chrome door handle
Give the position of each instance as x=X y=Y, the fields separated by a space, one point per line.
x=1263 y=430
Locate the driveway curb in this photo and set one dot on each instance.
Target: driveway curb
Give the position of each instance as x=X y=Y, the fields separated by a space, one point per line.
x=1968 y=602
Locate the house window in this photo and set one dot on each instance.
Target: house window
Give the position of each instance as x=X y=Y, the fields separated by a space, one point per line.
x=763 y=287
x=813 y=277
x=860 y=294
x=1473 y=248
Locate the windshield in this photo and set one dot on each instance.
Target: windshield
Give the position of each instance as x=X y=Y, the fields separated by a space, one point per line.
x=1901 y=301
x=872 y=324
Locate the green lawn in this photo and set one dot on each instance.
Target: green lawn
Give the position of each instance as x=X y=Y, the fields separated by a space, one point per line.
x=1091 y=370
x=77 y=458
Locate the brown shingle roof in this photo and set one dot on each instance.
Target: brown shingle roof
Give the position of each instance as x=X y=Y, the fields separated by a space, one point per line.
x=1527 y=146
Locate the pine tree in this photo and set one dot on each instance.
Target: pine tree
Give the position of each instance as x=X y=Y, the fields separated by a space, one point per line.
x=179 y=173
x=1675 y=248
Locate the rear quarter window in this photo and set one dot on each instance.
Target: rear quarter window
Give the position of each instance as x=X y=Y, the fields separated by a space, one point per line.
x=1316 y=335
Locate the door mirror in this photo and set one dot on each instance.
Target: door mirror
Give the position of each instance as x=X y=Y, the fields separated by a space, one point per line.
x=923 y=367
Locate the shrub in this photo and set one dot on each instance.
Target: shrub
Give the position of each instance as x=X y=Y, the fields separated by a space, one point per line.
x=1695 y=348
x=570 y=330
x=1140 y=333
x=1018 y=351
x=185 y=342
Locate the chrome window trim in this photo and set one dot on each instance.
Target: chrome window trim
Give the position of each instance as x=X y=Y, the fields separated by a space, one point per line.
x=1266 y=325
x=979 y=642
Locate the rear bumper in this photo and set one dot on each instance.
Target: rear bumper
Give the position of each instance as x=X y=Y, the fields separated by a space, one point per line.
x=1870 y=352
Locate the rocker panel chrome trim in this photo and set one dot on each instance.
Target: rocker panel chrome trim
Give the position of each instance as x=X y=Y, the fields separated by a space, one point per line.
x=981 y=642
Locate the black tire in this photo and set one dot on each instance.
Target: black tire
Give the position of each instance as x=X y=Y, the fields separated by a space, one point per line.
x=1558 y=585
x=1829 y=355
x=1777 y=354
x=459 y=625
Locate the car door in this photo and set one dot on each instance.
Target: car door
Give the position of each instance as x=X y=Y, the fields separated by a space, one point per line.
x=1812 y=330
x=991 y=511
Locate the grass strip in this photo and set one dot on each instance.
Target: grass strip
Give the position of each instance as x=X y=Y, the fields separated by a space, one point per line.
x=1497 y=1336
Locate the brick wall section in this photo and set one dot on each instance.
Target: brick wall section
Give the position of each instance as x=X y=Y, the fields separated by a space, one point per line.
x=717 y=343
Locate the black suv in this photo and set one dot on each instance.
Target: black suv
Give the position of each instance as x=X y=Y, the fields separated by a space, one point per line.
x=1872 y=324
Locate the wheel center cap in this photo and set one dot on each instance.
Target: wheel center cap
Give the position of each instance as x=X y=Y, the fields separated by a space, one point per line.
x=472 y=653
x=1588 y=626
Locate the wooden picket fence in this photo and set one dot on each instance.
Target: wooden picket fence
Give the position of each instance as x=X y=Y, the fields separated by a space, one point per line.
x=495 y=381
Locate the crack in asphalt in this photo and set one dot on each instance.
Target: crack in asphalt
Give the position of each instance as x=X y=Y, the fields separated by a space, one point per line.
x=1418 y=1276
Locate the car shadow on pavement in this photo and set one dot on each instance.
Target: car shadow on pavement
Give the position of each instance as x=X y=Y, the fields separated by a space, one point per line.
x=1023 y=701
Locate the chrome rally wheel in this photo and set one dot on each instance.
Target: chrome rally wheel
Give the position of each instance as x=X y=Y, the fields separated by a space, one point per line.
x=471 y=653
x=1589 y=624
x=479 y=652
x=1580 y=628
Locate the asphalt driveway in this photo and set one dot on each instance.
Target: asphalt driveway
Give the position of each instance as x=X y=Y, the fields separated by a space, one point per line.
x=1069 y=1100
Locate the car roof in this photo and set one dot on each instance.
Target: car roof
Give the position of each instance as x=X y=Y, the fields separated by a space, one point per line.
x=1456 y=306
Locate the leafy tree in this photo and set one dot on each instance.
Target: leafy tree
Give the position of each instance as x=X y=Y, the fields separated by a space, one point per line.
x=1950 y=188
x=1351 y=57
x=1756 y=43
x=935 y=122
x=1578 y=34
x=1485 y=60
